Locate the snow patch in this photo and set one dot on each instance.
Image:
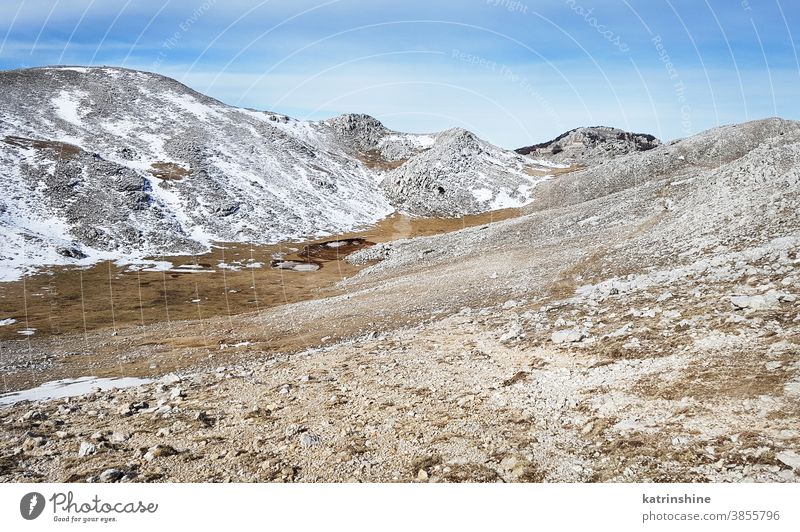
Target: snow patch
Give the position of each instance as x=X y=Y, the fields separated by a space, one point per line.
x=548 y=164
x=503 y=200
x=191 y=105
x=482 y=194
x=66 y=104
x=69 y=388
x=82 y=70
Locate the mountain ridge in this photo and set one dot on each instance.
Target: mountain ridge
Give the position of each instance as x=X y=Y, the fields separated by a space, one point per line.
x=106 y=162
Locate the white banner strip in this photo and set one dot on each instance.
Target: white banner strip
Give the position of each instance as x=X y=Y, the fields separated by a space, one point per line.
x=122 y=507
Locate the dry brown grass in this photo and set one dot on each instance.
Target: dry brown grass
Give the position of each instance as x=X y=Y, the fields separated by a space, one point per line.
x=373 y=160
x=190 y=332
x=60 y=150
x=565 y=285
x=541 y=172
x=169 y=171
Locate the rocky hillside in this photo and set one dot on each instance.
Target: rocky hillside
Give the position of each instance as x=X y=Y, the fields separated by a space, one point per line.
x=109 y=163
x=589 y=145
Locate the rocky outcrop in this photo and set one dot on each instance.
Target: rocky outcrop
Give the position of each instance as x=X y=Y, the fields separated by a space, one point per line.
x=588 y=145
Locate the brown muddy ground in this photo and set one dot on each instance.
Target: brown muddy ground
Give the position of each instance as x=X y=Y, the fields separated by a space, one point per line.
x=65 y=300
x=110 y=320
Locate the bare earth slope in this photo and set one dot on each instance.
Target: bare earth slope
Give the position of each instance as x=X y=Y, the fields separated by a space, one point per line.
x=640 y=323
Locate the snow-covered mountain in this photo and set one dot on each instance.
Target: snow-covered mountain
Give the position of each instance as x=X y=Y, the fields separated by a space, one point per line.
x=100 y=163
x=460 y=173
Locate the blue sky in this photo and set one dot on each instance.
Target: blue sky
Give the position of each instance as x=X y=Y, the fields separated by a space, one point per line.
x=515 y=72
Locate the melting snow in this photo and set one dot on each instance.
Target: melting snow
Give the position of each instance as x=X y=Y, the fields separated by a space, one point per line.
x=147 y=266
x=482 y=194
x=504 y=201
x=548 y=164
x=68 y=388
x=66 y=105
x=82 y=70
x=191 y=105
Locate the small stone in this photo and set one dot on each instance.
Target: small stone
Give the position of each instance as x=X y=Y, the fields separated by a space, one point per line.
x=509 y=463
x=119 y=437
x=768 y=301
x=170 y=379
x=111 y=475
x=288 y=473
x=510 y=304
x=567 y=336
x=633 y=343
x=34 y=415
x=64 y=410
x=291 y=430
x=514 y=332
x=308 y=439
x=792 y=388
x=133 y=408
x=256 y=413
x=87 y=449
x=789 y=458
x=467 y=399
x=422 y=475
x=31 y=443
x=159 y=451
